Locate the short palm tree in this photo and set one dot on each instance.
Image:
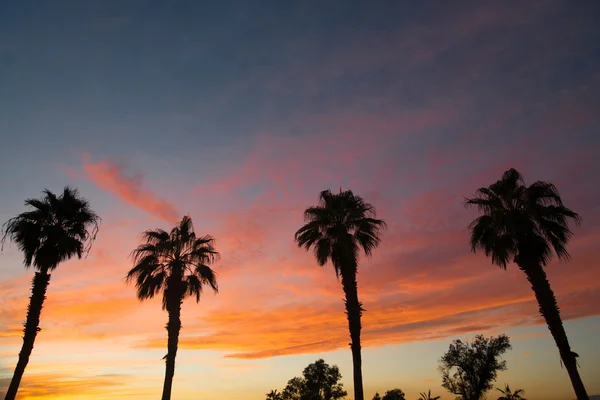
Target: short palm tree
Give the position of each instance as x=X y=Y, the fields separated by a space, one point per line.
x=427 y=396
x=336 y=229
x=176 y=264
x=507 y=394
x=527 y=224
x=56 y=229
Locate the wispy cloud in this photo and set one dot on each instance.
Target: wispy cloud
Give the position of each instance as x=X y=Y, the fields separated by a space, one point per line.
x=112 y=177
x=52 y=385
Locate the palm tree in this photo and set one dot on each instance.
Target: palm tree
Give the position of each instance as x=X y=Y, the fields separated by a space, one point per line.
x=336 y=229
x=524 y=224
x=427 y=396
x=56 y=229
x=508 y=395
x=177 y=264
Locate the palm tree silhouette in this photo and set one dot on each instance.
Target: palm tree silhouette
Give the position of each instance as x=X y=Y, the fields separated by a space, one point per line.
x=525 y=224
x=177 y=264
x=507 y=394
x=336 y=229
x=427 y=396
x=55 y=230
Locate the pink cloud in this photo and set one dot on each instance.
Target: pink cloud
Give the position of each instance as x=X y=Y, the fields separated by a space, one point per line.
x=111 y=177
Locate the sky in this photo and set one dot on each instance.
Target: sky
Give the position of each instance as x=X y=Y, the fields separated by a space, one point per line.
x=239 y=113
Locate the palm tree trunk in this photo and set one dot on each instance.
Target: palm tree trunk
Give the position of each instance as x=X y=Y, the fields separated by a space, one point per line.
x=173 y=328
x=354 y=311
x=550 y=311
x=36 y=302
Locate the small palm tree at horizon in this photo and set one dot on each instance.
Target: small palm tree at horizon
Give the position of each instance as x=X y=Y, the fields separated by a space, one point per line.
x=427 y=396
x=527 y=225
x=336 y=229
x=55 y=230
x=176 y=264
x=507 y=394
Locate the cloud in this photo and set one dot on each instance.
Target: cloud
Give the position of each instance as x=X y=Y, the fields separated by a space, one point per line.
x=51 y=385
x=494 y=299
x=421 y=284
x=111 y=177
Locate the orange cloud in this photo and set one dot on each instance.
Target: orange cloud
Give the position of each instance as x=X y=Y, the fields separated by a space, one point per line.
x=58 y=385
x=495 y=302
x=111 y=177
x=421 y=284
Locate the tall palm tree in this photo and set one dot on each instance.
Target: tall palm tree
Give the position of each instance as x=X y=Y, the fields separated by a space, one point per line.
x=427 y=396
x=527 y=225
x=56 y=229
x=507 y=394
x=176 y=263
x=336 y=229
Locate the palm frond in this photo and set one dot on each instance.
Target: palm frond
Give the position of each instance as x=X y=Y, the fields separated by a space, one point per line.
x=322 y=250
x=483 y=202
x=193 y=286
x=175 y=262
x=207 y=276
x=308 y=235
x=56 y=229
x=528 y=221
x=337 y=219
x=202 y=250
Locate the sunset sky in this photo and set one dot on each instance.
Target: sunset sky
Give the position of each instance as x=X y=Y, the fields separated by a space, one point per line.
x=239 y=114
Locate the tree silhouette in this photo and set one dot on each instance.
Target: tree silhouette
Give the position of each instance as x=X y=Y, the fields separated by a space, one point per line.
x=295 y=389
x=319 y=381
x=507 y=394
x=427 y=396
x=527 y=225
x=394 y=394
x=469 y=369
x=377 y=396
x=56 y=229
x=336 y=229
x=176 y=263
x=273 y=395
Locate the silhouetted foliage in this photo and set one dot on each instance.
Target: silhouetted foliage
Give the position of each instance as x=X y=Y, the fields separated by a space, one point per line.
x=527 y=225
x=56 y=229
x=507 y=394
x=176 y=263
x=376 y=396
x=273 y=395
x=469 y=369
x=336 y=229
x=394 y=394
x=319 y=381
x=295 y=389
x=427 y=396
